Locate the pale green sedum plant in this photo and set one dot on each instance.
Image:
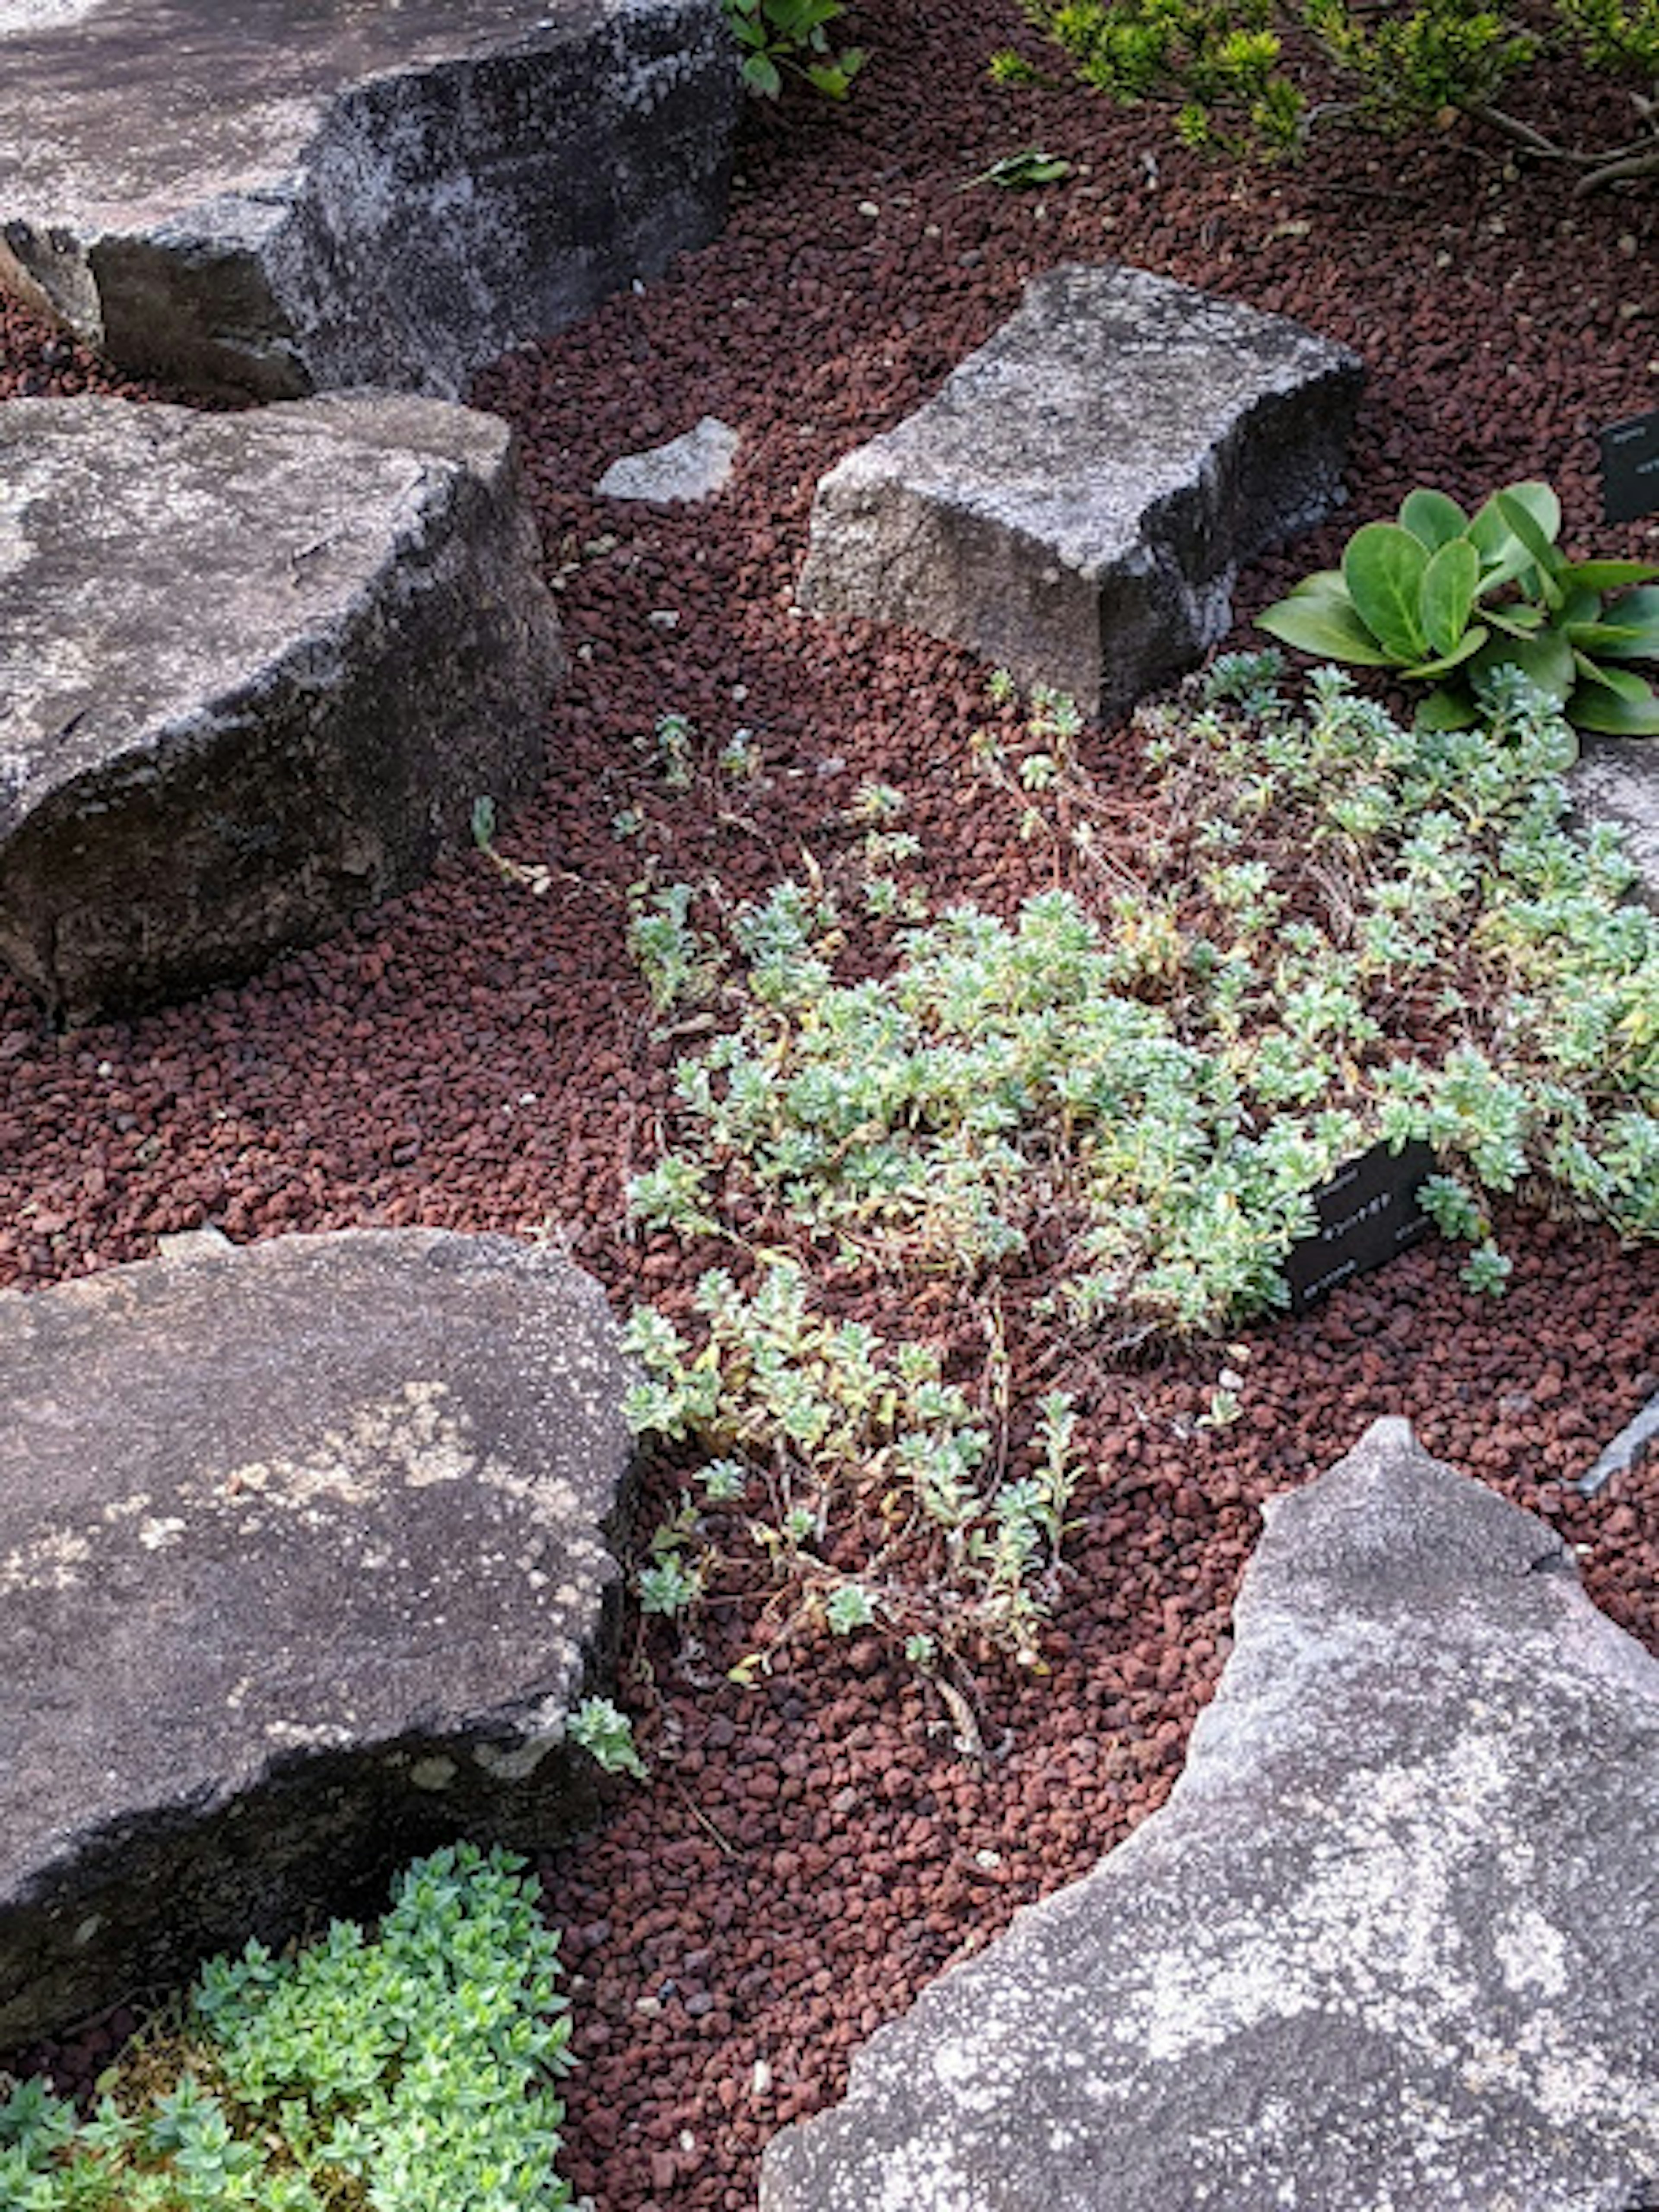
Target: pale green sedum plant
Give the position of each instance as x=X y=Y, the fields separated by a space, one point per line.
x=409 y=2071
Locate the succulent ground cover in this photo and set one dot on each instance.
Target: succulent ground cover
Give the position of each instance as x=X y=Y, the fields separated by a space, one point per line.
x=806 y=1852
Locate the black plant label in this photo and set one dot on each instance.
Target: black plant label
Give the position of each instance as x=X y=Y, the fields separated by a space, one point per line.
x=1367 y=1213
x=1630 y=468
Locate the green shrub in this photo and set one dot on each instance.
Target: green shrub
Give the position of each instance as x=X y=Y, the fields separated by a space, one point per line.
x=407 y=2071
x=1238 y=76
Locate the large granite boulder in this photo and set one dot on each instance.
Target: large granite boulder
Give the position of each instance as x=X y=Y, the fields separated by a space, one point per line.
x=302 y=1564
x=1393 y=1941
x=280 y=197
x=255 y=669
x=1075 y=501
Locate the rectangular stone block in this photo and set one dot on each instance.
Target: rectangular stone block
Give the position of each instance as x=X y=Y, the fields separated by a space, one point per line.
x=1076 y=502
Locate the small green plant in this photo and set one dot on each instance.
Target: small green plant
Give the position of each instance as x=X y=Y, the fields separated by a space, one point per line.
x=530 y=875
x=1026 y=171
x=1446 y=599
x=776 y=36
x=409 y=2071
x=819 y=1417
x=1237 y=76
x=678 y=962
x=604 y=1732
x=671 y=744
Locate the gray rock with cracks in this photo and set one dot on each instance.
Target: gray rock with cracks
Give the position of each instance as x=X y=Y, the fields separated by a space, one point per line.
x=280 y=197
x=1393 y=1941
x=1076 y=501
x=254 y=671
x=303 y=1565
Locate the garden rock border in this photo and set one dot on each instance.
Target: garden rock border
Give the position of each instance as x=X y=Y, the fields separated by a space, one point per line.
x=1390 y=1941
x=271 y=198
x=303 y=1562
x=258 y=670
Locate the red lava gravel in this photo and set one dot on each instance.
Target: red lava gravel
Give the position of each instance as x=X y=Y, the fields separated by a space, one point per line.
x=807 y=1854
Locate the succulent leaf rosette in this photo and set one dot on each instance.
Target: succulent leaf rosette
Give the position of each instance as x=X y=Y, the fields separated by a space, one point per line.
x=1447 y=598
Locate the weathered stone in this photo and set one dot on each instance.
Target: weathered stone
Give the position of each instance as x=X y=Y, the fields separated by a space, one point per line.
x=1635 y=1443
x=289 y=196
x=255 y=671
x=693 y=466
x=1615 y=781
x=302 y=1567
x=1393 y=1941
x=1076 y=501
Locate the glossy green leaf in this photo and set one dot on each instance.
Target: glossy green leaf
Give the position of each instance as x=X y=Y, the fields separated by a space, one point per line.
x=1447 y=709
x=1612 y=641
x=1623 y=683
x=1322 y=584
x=1432 y=518
x=1518 y=620
x=1466 y=648
x=1548 y=563
x=1383 y=566
x=1504 y=556
x=1449 y=584
x=1608 y=576
x=1596 y=707
x=1636 y=618
x=760 y=74
x=1538 y=502
x=1325 y=627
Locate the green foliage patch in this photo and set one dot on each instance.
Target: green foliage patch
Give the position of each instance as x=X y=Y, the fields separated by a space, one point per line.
x=1339 y=932
x=1255 y=76
x=408 y=2071
x=792 y=37
x=1447 y=598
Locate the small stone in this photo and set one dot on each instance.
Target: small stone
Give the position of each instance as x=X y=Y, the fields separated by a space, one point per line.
x=686 y=470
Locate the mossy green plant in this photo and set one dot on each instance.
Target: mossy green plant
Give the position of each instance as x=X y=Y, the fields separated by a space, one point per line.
x=406 y=2071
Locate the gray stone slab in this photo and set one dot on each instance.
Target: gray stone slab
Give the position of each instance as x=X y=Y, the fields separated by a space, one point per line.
x=691 y=467
x=286 y=196
x=1391 y=1946
x=303 y=1563
x=1615 y=781
x=254 y=671
x=1076 y=501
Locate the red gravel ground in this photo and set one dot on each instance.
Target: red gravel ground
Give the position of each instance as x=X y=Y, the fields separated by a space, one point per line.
x=807 y=1854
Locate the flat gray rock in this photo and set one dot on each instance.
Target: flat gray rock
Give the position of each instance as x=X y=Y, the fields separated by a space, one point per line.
x=1076 y=501
x=691 y=467
x=280 y=197
x=254 y=671
x=1615 y=781
x=1391 y=1946
x=302 y=1567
